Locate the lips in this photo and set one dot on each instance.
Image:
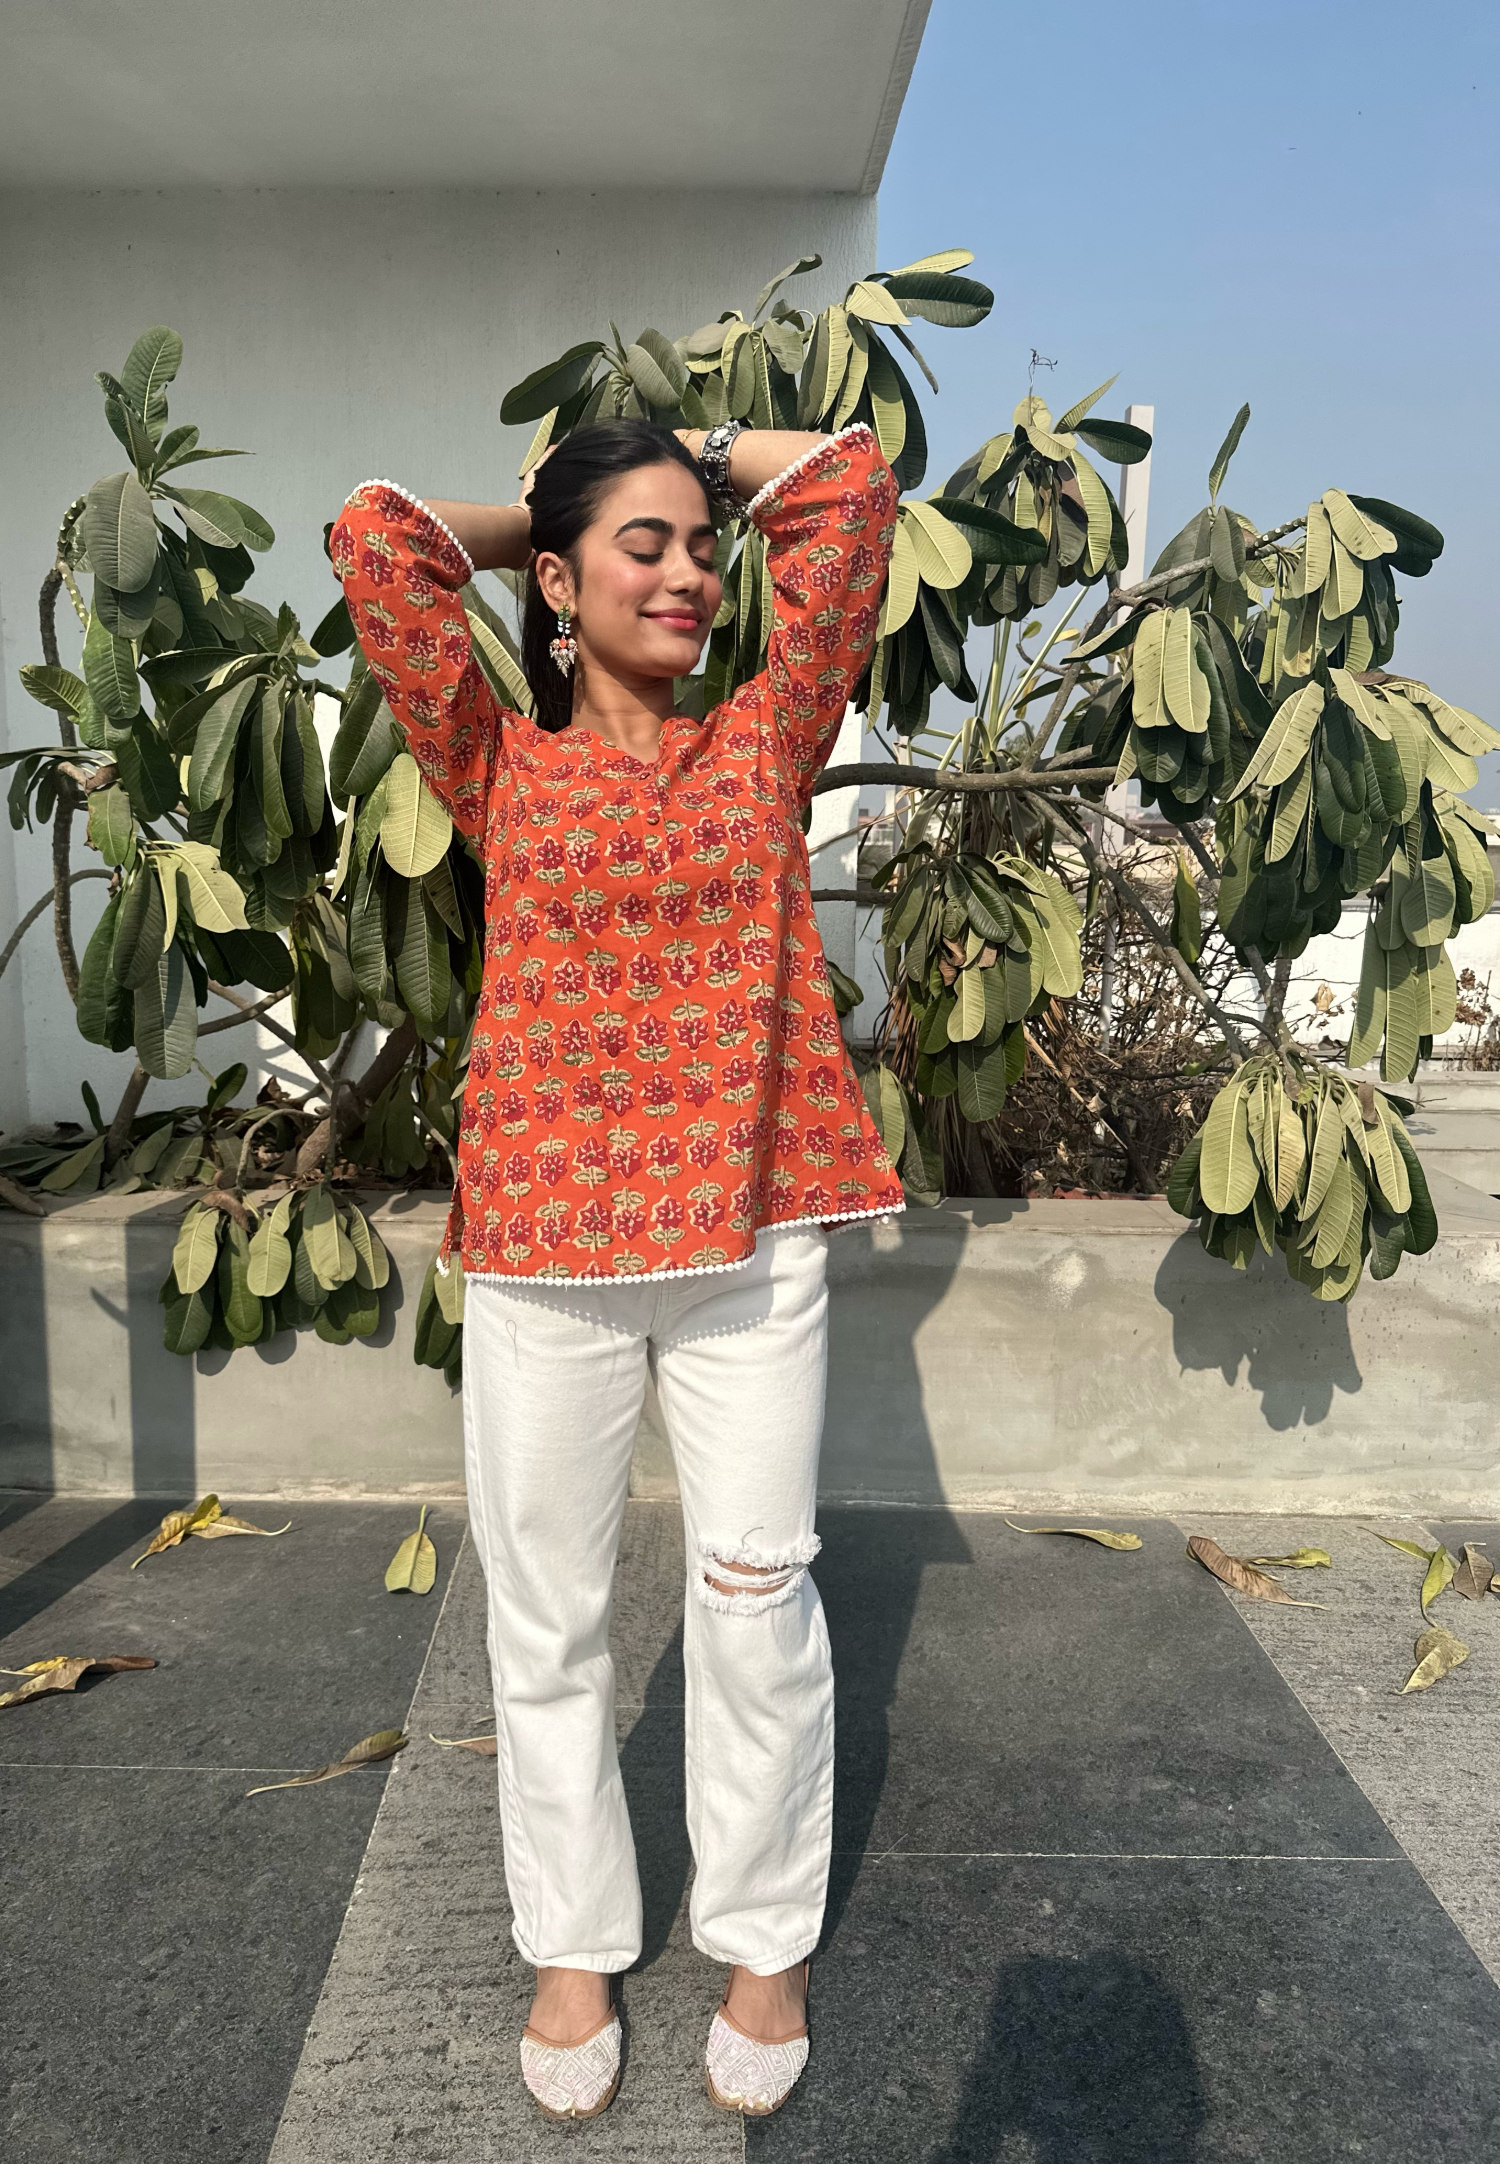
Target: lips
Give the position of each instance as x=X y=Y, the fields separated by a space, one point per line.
x=674 y=619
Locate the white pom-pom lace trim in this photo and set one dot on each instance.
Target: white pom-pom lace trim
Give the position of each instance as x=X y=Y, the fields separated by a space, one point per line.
x=886 y=1211
x=417 y=505
x=860 y=433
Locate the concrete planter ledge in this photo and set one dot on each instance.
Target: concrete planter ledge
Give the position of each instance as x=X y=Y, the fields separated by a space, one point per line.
x=1032 y=1356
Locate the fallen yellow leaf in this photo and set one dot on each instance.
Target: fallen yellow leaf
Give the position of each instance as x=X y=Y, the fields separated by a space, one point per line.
x=482 y=1746
x=413 y=1568
x=1438 y=1654
x=1440 y=1566
x=1303 y=1559
x=1101 y=1534
x=1239 y=1575
x=216 y=1528
x=64 y=1671
x=176 y=1526
x=385 y=1743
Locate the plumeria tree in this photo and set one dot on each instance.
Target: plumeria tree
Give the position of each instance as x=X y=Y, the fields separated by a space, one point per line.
x=1245 y=684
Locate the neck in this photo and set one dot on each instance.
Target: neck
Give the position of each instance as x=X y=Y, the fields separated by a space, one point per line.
x=626 y=712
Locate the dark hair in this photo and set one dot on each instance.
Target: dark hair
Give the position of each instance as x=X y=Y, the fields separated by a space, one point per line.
x=565 y=499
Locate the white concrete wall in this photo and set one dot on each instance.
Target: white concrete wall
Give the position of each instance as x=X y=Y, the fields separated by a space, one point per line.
x=335 y=335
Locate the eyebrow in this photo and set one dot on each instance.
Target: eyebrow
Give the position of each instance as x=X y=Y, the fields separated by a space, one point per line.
x=664 y=527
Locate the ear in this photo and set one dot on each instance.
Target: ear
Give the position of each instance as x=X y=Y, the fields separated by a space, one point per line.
x=554 y=575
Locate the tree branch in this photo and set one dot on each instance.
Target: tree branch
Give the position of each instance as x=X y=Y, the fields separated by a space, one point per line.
x=39 y=909
x=249 y=1011
x=1160 y=938
x=974 y=784
x=257 y=1013
x=117 y=1139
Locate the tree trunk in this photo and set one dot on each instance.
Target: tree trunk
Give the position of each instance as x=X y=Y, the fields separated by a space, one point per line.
x=117 y=1141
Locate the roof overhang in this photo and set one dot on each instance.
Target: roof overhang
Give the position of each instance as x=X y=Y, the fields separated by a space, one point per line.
x=800 y=95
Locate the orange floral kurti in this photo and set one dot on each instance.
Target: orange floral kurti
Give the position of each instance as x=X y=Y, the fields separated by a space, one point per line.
x=657 y=1071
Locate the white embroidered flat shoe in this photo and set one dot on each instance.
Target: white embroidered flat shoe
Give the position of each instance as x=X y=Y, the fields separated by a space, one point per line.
x=574 y=2081
x=744 y=2074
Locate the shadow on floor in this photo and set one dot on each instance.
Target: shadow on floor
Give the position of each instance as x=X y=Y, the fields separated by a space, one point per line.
x=112 y=1533
x=869 y=1576
x=1086 y=2062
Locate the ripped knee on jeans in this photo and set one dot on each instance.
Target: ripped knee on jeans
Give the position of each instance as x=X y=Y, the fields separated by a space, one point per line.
x=738 y=1579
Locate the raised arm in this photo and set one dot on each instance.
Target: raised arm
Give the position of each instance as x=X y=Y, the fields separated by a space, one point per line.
x=403 y=563
x=828 y=513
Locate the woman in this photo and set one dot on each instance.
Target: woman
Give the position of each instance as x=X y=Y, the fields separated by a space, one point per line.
x=659 y=1121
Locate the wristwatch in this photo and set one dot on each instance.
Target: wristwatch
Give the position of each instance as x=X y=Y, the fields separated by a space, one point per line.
x=714 y=460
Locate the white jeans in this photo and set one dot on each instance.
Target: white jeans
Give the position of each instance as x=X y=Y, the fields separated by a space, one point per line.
x=554 y=1378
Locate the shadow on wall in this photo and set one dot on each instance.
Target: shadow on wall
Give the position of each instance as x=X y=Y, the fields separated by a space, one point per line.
x=1295 y=1350
x=1086 y=2062
x=869 y=1576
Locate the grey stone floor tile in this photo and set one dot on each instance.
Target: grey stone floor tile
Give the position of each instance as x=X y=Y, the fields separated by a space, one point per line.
x=1049 y=1695
x=1137 y=2013
x=165 y=1942
x=1427 y=1761
x=412 y=2052
x=271 y=1652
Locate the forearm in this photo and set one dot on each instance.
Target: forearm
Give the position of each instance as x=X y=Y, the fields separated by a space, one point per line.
x=757 y=455
x=497 y=536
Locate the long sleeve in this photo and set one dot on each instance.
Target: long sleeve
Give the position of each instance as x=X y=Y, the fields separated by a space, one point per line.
x=829 y=523
x=402 y=571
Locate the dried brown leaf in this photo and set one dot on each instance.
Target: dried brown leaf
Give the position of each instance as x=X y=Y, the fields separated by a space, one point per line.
x=1475 y=1575
x=64 y=1671
x=1239 y=1575
x=385 y=1743
x=1101 y=1534
x=1438 y=1654
x=176 y=1526
x=217 y=1199
x=482 y=1746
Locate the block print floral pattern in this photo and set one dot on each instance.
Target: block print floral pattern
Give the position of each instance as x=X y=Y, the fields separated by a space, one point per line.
x=657 y=1071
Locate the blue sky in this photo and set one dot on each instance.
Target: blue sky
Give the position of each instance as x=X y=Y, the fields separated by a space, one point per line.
x=1294 y=205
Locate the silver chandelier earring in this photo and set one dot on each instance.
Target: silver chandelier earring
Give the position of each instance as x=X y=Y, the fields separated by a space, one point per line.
x=564 y=648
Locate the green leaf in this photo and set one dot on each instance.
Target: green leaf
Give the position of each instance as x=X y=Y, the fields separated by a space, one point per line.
x=1069 y=421
x=330 y=1252
x=1225 y=453
x=551 y=385
x=415 y=830
x=872 y=303
x=992 y=538
x=1364 y=537
x=215 y=899
x=982 y=1080
x=270 y=1259
x=1228 y=1173
x=197 y=1248
x=57 y=688
x=109 y=672
x=151 y=364
x=1119 y=443
x=238 y=1305
x=222 y=521
x=78 y=1173
x=214 y=744
x=656 y=369
x=943 y=555
x=423 y=974
x=335 y=634
x=97 y=991
x=112 y=825
x=119 y=532
x=166 y=1018
x=937 y=297
x=501 y=667
x=1187 y=914
x=1418 y=544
